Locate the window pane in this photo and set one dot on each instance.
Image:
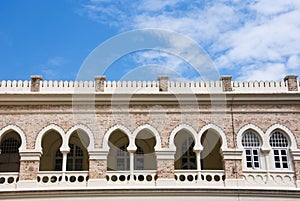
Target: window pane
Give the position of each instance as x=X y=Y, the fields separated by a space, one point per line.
x=283 y=152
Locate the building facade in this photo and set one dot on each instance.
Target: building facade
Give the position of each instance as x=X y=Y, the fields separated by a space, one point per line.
x=103 y=140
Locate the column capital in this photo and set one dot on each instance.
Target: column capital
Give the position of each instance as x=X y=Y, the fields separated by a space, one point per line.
x=232 y=154
x=30 y=155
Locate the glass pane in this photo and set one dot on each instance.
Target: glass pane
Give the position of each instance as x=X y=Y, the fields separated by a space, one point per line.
x=277 y=165
x=283 y=152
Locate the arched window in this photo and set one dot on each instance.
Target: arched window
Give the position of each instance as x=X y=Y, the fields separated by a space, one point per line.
x=58 y=160
x=139 y=159
x=123 y=159
x=9 y=155
x=279 y=144
x=188 y=155
x=251 y=144
x=74 y=159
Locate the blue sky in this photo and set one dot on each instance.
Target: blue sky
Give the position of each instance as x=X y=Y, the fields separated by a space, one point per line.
x=250 y=40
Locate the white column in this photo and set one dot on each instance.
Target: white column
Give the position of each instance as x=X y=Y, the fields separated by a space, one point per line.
x=266 y=157
x=131 y=154
x=198 y=160
x=64 y=164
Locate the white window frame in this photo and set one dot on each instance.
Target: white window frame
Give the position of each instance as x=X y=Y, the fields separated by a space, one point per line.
x=252 y=146
x=279 y=146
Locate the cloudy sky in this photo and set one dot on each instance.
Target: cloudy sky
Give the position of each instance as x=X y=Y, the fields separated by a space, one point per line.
x=250 y=40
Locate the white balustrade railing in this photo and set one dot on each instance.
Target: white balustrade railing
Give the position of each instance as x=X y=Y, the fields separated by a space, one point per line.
x=205 y=177
x=141 y=177
x=54 y=177
x=9 y=179
x=269 y=179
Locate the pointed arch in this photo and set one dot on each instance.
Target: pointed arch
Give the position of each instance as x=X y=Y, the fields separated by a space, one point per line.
x=18 y=130
x=87 y=131
x=188 y=128
x=58 y=129
x=122 y=128
x=218 y=130
x=242 y=130
x=153 y=131
x=287 y=132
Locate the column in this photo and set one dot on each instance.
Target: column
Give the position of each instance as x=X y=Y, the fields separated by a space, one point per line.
x=64 y=163
x=97 y=167
x=29 y=168
x=265 y=153
x=131 y=155
x=198 y=160
x=165 y=167
x=233 y=167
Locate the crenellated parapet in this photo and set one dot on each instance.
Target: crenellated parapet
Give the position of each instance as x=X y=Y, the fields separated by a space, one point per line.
x=290 y=84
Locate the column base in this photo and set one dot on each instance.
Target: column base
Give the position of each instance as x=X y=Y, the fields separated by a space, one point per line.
x=27 y=184
x=96 y=182
x=165 y=182
x=234 y=182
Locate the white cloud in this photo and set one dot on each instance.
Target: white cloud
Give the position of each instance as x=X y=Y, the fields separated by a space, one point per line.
x=269 y=72
x=246 y=38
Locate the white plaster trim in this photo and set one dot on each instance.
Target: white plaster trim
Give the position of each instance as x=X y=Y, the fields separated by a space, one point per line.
x=165 y=154
x=18 y=130
x=232 y=154
x=188 y=128
x=125 y=130
x=30 y=155
x=89 y=133
x=98 y=155
x=256 y=129
x=152 y=130
x=218 y=130
x=295 y=154
x=59 y=130
x=287 y=132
